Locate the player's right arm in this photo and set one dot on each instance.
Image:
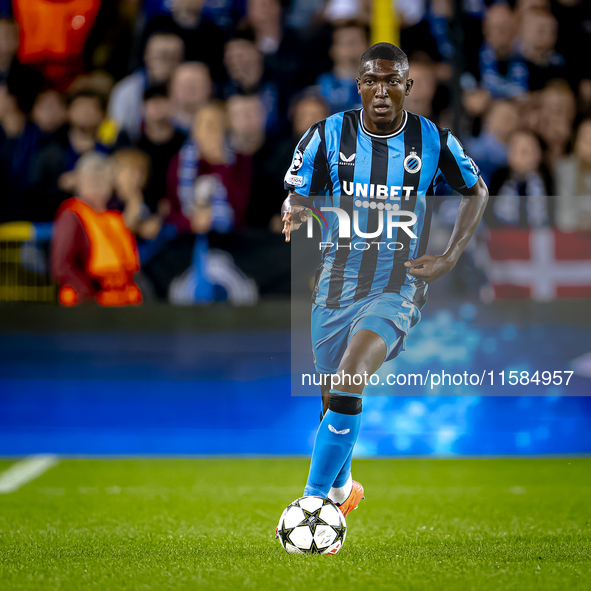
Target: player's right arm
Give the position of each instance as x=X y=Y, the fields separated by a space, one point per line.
x=293 y=213
x=307 y=174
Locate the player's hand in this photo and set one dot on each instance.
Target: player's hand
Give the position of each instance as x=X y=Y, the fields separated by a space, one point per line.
x=429 y=267
x=293 y=218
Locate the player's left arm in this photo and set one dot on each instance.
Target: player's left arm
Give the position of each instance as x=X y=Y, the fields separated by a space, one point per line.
x=462 y=174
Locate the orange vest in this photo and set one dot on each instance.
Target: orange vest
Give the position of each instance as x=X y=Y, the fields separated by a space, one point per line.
x=113 y=258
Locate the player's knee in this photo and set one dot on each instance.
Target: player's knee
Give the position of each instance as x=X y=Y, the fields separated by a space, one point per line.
x=356 y=369
x=345 y=405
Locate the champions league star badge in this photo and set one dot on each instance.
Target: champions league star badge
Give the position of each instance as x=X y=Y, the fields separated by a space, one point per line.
x=413 y=163
x=298 y=160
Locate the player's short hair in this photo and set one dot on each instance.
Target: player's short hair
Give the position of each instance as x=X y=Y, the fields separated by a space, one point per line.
x=385 y=51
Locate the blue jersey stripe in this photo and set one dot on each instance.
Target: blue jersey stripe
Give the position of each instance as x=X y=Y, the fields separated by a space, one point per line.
x=374 y=217
x=413 y=149
x=346 y=172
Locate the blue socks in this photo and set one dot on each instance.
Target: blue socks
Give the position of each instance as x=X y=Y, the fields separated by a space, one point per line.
x=345 y=472
x=333 y=447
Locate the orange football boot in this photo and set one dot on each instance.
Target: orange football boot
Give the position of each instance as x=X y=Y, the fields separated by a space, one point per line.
x=352 y=501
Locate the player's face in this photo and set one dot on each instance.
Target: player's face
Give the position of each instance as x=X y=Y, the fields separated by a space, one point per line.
x=383 y=85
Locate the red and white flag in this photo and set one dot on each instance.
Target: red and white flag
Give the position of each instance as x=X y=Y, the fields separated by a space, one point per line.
x=542 y=264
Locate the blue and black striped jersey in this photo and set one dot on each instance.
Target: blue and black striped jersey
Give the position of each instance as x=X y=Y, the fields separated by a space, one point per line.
x=375 y=180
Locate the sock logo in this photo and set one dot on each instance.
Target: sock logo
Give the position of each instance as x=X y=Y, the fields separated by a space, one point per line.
x=333 y=430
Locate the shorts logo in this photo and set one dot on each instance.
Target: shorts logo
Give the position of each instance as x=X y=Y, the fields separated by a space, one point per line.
x=413 y=163
x=292 y=179
x=298 y=161
x=350 y=161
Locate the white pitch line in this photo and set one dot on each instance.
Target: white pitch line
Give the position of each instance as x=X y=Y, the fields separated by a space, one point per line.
x=24 y=471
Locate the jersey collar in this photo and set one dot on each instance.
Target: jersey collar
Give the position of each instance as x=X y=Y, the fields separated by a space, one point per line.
x=393 y=134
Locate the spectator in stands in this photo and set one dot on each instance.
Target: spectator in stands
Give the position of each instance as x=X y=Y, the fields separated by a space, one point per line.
x=202 y=39
x=163 y=53
x=246 y=120
x=159 y=140
x=257 y=251
x=190 y=89
x=131 y=178
x=339 y=86
x=50 y=112
x=246 y=75
x=521 y=193
x=271 y=159
x=536 y=45
x=555 y=119
x=503 y=73
x=489 y=149
x=420 y=100
x=248 y=138
x=573 y=184
x=264 y=17
x=19 y=141
x=202 y=177
x=53 y=177
x=206 y=153
x=288 y=61
x=93 y=253
x=306 y=110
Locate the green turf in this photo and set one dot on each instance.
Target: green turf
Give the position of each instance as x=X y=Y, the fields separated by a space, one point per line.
x=191 y=524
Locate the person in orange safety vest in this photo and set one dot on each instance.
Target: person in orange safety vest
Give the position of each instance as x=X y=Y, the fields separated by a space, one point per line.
x=93 y=254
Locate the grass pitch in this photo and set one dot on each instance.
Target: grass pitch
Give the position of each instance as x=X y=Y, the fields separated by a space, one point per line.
x=192 y=524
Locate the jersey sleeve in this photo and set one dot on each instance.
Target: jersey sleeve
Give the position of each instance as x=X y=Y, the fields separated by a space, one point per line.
x=458 y=169
x=308 y=172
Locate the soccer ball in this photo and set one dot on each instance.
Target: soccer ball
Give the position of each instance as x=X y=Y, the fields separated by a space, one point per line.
x=312 y=525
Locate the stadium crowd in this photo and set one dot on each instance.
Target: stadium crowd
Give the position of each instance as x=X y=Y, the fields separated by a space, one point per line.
x=186 y=113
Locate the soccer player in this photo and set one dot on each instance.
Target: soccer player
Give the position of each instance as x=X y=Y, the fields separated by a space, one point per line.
x=379 y=165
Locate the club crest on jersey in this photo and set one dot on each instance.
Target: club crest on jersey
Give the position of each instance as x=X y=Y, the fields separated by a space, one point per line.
x=347 y=161
x=413 y=163
x=298 y=160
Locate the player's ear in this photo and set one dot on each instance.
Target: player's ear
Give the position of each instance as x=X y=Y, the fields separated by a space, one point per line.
x=358 y=85
x=409 y=84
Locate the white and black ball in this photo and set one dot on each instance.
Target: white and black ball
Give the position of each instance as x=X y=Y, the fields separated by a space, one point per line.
x=312 y=525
